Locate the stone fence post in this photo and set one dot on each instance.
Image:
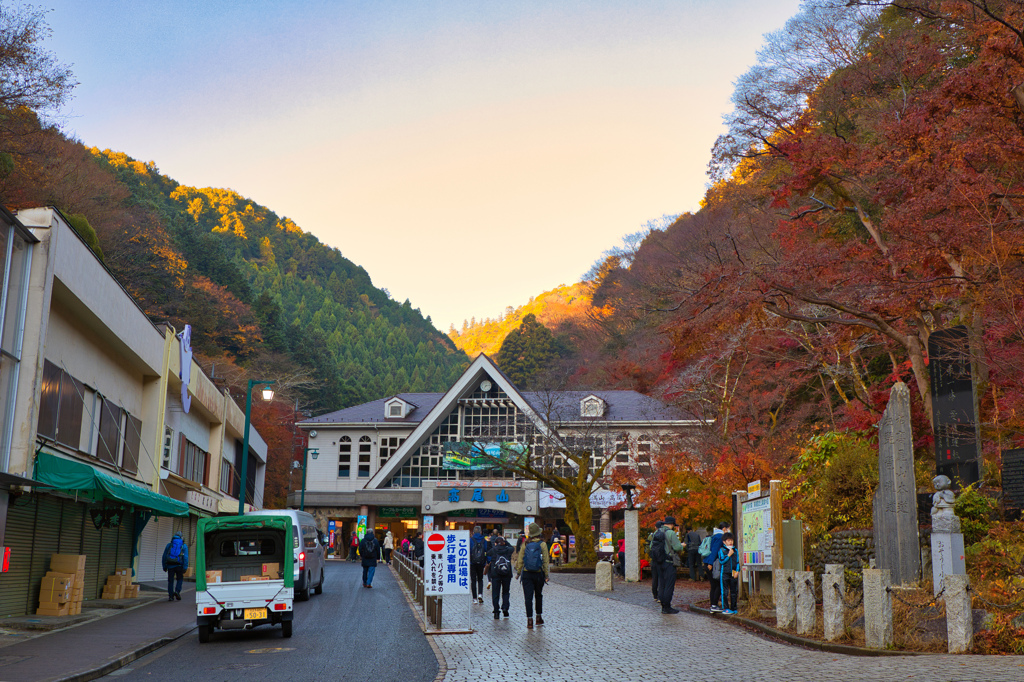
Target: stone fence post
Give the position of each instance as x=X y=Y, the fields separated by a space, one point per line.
x=833 y=590
x=959 y=621
x=785 y=598
x=877 y=608
x=806 y=604
x=603 y=577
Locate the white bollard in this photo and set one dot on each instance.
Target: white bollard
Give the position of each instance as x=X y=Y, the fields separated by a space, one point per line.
x=806 y=604
x=959 y=619
x=833 y=612
x=785 y=599
x=877 y=608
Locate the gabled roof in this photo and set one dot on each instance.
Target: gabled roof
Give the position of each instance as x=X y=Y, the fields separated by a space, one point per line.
x=482 y=366
x=373 y=412
x=620 y=406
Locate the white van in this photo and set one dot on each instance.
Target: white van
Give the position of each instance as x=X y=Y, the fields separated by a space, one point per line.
x=310 y=552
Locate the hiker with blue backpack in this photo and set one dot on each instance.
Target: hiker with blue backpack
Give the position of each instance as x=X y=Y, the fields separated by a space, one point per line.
x=175 y=562
x=478 y=547
x=709 y=560
x=533 y=569
x=727 y=568
x=499 y=569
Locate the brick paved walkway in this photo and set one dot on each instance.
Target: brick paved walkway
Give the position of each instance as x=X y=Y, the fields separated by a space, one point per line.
x=594 y=638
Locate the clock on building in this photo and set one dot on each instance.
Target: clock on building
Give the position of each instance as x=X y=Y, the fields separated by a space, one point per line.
x=485 y=386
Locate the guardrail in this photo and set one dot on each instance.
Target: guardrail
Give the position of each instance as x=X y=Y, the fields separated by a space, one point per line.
x=411 y=573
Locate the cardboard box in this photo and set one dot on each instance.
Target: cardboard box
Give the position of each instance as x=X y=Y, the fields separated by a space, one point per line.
x=247 y=578
x=131 y=592
x=214 y=577
x=124 y=571
x=67 y=563
x=272 y=570
x=52 y=610
x=60 y=581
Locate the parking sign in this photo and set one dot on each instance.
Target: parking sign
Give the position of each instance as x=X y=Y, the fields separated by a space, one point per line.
x=446 y=562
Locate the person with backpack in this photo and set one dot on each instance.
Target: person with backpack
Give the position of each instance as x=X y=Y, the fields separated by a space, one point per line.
x=693 y=560
x=556 y=551
x=654 y=568
x=389 y=547
x=353 y=546
x=533 y=570
x=175 y=562
x=499 y=569
x=369 y=549
x=728 y=568
x=665 y=549
x=417 y=547
x=477 y=561
x=710 y=558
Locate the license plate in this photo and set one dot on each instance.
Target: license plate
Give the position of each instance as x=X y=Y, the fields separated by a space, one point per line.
x=255 y=614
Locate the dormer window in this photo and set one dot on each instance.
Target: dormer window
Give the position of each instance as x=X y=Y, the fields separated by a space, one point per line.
x=396 y=408
x=592 y=407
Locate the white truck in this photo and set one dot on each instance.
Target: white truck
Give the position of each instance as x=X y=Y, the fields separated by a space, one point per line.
x=244 y=574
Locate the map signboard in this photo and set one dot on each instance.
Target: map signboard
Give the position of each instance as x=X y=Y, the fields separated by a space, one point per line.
x=757 y=533
x=446 y=562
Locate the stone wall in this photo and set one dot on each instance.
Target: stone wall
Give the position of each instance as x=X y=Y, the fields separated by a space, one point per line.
x=853 y=548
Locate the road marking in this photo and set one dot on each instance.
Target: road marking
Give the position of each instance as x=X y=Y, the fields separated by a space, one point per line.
x=270 y=650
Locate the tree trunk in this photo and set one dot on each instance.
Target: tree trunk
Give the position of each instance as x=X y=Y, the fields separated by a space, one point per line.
x=579 y=517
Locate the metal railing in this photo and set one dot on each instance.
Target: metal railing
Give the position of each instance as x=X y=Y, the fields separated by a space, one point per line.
x=411 y=573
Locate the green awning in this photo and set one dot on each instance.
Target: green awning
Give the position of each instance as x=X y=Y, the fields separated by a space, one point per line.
x=91 y=483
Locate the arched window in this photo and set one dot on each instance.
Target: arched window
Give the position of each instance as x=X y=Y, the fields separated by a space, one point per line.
x=344 y=457
x=365 y=448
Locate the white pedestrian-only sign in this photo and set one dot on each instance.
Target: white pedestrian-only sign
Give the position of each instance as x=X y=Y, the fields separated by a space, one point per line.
x=446 y=563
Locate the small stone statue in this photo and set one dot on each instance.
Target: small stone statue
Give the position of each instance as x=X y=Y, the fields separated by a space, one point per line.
x=943 y=500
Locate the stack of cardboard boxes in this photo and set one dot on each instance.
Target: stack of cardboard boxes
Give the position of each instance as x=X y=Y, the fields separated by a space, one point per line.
x=60 y=592
x=120 y=586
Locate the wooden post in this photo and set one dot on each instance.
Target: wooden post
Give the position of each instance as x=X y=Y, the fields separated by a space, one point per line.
x=775 y=496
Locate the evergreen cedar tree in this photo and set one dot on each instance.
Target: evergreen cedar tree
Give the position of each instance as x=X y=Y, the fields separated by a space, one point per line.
x=528 y=351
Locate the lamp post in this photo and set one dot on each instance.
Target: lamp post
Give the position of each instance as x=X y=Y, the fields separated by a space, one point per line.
x=268 y=394
x=316 y=453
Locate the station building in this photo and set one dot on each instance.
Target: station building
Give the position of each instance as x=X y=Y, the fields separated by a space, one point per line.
x=111 y=437
x=415 y=460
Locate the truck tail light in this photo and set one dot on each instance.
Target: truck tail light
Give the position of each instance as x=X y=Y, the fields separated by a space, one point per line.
x=209 y=610
x=280 y=607
x=302 y=560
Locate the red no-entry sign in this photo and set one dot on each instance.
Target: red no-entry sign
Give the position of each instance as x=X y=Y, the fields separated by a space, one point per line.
x=435 y=542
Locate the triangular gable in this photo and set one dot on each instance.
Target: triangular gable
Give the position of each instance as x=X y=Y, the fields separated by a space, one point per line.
x=483 y=365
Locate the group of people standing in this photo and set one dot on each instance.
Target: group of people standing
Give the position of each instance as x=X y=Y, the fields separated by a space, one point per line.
x=716 y=556
x=529 y=562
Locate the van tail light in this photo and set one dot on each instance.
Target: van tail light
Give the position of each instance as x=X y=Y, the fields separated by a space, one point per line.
x=302 y=560
x=209 y=610
x=280 y=607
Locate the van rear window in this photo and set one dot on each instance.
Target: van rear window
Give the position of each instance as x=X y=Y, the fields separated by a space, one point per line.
x=259 y=547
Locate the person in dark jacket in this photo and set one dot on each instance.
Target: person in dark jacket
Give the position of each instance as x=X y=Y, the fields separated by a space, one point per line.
x=353 y=545
x=729 y=573
x=532 y=565
x=654 y=569
x=417 y=547
x=716 y=544
x=499 y=569
x=369 y=549
x=175 y=562
x=478 y=547
x=693 y=561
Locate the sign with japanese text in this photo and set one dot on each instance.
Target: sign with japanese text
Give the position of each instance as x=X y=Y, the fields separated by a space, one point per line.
x=756 y=531
x=949 y=368
x=446 y=562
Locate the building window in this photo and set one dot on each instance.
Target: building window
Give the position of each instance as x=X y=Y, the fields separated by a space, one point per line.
x=165 y=458
x=108 y=449
x=227 y=478
x=365 y=449
x=387 y=447
x=61 y=403
x=592 y=407
x=395 y=410
x=345 y=457
x=15 y=263
x=192 y=461
x=132 y=442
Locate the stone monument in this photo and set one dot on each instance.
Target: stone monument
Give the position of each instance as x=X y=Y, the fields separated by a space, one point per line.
x=895 y=506
x=603 y=577
x=1013 y=482
x=947 y=540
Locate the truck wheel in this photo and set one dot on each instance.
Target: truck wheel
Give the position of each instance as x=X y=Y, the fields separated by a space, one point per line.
x=204 y=633
x=286 y=628
x=304 y=594
x=320 y=585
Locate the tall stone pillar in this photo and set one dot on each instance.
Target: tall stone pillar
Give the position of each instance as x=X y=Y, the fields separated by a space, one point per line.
x=833 y=590
x=632 y=545
x=959 y=620
x=877 y=608
x=806 y=604
x=785 y=599
x=606 y=521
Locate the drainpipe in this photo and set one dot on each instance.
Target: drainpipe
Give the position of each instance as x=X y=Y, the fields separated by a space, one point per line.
x=161 y=417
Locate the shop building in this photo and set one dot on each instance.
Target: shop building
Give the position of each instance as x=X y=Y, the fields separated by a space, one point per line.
x=408 y=460
x=107 y=447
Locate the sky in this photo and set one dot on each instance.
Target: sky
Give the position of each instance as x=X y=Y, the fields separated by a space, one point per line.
x=469 y=155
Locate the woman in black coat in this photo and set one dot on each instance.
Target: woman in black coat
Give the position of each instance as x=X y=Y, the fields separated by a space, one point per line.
x=369 y=550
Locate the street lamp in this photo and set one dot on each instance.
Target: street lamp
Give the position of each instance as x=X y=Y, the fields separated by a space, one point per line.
x=268 y=394
x=316 y=453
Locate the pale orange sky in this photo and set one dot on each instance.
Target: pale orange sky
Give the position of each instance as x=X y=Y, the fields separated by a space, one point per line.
x=468 y=155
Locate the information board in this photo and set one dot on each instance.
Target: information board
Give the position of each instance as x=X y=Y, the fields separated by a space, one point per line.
x=757 y=533
x=605 y=543
x=446 y=562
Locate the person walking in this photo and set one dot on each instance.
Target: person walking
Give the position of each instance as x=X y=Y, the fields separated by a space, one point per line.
x=667 y=579
x=693 y=560
x=655 y=572
x=389 y=547
x=353 y=546
x=716 y=544
x=556 y=550
x=499 y=570
x=369 y=550
x=533 y=568
x=477 y=561
x=175 y=562
x=620 y=567
x=417 y=547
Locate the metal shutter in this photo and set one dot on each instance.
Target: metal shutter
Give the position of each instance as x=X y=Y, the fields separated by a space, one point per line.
x=73 y=517
x=21 y=517
x=149 y=552
x=124 y=541
x=91 y=549
x=47 y=530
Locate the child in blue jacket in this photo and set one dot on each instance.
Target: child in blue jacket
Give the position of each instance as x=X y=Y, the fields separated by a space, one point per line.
x=729 y=573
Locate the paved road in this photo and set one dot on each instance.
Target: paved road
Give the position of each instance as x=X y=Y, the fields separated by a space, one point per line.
x=588 y=636
x=348 y=632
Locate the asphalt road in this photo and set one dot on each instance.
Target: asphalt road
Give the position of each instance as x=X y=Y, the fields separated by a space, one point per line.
x=348 y=632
